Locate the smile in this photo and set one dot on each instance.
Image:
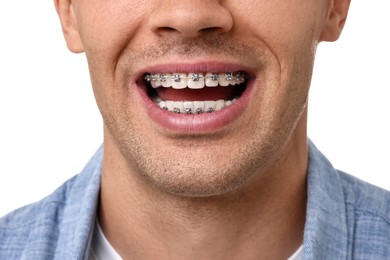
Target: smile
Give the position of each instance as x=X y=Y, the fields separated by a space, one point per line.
x=195 y=93
x=196 y=98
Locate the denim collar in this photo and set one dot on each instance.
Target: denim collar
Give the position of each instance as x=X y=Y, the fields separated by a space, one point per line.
x=326 y=222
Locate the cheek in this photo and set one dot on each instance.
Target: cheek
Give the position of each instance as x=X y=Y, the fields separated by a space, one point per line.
x=289 y=30
x=280 y=24
x=107 y=27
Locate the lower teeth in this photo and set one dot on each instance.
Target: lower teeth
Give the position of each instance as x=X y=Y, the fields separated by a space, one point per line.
x=193 y=107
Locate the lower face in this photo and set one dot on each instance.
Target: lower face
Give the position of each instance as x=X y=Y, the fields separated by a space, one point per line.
x=201 y=117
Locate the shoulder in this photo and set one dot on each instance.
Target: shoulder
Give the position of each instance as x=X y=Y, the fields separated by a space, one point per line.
x=346 y=218
x=27 y=224
x=57 y=226
x=368 y=216
x=365 y=197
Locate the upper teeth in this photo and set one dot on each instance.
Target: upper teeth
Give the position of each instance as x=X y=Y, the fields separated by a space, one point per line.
x=194 y=80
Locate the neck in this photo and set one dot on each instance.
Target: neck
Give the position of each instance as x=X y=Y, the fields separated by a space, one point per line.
x=262 y=220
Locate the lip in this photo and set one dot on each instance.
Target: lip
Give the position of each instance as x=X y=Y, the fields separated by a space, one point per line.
x=194 y=123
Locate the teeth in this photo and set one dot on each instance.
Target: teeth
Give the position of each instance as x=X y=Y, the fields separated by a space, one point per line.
x=220 y=104
x=161 y=104
x=179 y=81
x=211 y=79
x=169 y=105
x=178 y=107
x=165 y=80
x=198 y=107
x=188 y=107
x=209 y=106
x=193 y=107
x=195 y=80
x=155 y=81
x=225 y=79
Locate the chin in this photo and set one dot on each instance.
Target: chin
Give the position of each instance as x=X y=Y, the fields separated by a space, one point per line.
x=205 y=175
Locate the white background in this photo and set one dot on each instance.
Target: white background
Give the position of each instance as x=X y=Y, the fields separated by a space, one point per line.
x=50 y=126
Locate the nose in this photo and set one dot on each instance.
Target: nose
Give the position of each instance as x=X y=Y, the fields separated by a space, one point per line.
x=190 y=18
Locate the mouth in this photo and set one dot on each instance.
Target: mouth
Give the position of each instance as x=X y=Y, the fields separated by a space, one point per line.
x=196 y=99
x=195 y=93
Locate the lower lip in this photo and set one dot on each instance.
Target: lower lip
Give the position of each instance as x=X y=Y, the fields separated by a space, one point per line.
x=199 y=123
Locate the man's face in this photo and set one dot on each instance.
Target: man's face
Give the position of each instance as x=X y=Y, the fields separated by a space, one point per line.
x=151 y=59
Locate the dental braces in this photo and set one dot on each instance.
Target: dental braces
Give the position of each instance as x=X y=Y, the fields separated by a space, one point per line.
x=238 y=76
x=188 y=110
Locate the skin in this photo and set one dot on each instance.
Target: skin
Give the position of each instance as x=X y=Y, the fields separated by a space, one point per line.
x=238 y=192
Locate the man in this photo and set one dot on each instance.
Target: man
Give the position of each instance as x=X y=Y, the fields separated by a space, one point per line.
x=205 y=152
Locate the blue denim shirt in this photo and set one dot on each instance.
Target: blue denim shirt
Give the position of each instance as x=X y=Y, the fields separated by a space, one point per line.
x=346 y=218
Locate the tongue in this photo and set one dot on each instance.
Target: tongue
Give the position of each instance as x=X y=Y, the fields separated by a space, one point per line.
x=187 y=94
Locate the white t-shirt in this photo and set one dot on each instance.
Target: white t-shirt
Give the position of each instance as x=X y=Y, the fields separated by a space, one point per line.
x=297 y=255
x=101 y=249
